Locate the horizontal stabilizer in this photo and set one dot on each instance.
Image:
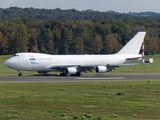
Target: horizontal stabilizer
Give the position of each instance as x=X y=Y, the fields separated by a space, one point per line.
x=136 y=58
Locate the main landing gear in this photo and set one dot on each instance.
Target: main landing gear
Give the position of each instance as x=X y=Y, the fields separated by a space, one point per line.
x=63 y=74
x=78 y=74
x=19 y=74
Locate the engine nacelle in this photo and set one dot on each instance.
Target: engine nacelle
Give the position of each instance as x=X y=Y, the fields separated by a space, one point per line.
x=101 y=69
x=71 y=70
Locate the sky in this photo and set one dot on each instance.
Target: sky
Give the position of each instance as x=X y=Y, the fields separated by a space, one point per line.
x=122 y=6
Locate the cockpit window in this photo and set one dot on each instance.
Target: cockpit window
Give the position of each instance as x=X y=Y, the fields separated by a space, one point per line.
x=15 y=55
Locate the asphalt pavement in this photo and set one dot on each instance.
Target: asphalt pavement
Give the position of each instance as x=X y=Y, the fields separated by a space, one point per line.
x=86 y=78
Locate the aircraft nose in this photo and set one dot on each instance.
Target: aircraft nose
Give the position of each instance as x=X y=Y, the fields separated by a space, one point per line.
x=9 y=62
x=5 y=63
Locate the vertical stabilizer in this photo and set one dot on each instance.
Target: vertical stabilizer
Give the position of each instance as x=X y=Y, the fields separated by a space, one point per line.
x=134 y=45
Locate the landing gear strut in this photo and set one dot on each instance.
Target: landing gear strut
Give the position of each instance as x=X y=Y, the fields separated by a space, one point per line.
x=19 y=74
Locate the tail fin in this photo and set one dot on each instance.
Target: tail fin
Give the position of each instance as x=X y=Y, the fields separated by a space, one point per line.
x=134 y=45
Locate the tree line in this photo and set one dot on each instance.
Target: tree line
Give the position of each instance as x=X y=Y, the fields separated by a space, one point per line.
x=71 y=14
x=75 y=37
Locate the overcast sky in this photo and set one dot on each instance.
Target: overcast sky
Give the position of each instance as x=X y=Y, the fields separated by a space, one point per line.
x=100 y=5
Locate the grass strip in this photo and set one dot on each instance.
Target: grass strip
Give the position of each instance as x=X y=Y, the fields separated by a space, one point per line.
x=90 y=100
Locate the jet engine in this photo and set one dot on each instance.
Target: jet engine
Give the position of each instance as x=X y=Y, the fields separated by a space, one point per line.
x=101 y=69
x=71 y=70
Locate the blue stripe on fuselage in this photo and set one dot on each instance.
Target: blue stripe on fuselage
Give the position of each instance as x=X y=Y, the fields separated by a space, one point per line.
x=33 y=63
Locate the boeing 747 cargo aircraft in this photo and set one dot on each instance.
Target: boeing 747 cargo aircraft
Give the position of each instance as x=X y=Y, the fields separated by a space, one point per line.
x=75 y=64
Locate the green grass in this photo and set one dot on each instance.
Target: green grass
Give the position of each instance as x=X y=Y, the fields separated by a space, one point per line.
x=139 y=100
x=138 y=69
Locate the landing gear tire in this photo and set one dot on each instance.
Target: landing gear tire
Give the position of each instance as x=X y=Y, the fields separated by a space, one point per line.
x=20 y=74
x=78 y=74
x=63 y=74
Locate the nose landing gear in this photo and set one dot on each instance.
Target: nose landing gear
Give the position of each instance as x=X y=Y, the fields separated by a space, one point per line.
x=19 y=74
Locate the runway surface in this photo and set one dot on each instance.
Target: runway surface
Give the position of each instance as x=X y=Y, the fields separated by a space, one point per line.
x=80 y=79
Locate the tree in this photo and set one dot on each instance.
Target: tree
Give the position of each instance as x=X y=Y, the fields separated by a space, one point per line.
x=45 y=41
x=111 y=44
x=6 y=41
x=21 y=39
x=97 y=44
x=78 y=35
x=151 y=45
x=16 y=36
x=88 y=36
x=2 y=44
x=79 y=44
x=66 y=38
x=50 y=46
x=57 y=37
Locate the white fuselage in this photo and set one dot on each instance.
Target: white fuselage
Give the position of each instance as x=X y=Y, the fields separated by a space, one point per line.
x=46 y=62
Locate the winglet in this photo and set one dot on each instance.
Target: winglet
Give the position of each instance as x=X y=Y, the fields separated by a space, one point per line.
x=134 y=45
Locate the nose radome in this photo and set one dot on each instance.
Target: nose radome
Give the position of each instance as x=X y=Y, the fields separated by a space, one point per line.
x=5 y=63
x=9 y=63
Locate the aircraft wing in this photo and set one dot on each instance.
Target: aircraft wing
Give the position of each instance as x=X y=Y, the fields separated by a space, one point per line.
x=83 y=68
